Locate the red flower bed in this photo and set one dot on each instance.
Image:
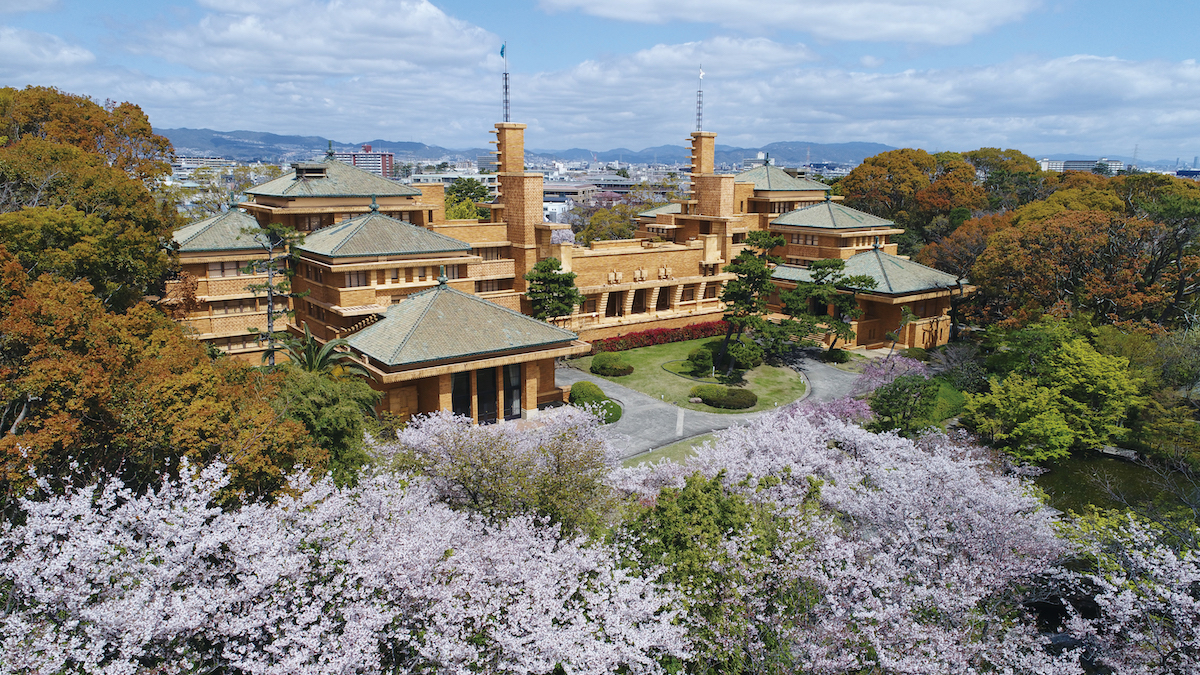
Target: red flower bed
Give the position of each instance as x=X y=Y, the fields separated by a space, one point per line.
x=659 y=336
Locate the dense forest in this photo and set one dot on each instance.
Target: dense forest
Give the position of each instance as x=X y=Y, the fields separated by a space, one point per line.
x=168 y=510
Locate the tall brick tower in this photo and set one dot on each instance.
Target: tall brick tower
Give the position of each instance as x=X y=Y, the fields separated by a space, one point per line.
x=521 y=195
x=713 y=192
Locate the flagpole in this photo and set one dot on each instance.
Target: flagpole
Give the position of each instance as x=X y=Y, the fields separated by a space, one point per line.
x=504 y=55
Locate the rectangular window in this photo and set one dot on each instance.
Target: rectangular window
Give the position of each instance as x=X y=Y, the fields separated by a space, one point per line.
x=490 y=253
x=710 y=291
x=487 y=285
x=689 y=294
x=452 y=271
x=357 y=279
x=512 y=391
x=589 y=305
x=739 y=237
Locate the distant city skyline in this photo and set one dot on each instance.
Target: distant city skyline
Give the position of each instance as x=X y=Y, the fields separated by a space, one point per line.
x=1044 y=76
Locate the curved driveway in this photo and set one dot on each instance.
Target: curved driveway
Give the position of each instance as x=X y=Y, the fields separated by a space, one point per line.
x=648 y=423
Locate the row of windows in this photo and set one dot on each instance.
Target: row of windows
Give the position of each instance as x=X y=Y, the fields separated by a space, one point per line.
x=229 y=268
x=246 y=305
x=805 y=239
x=394 y=275
x=642 y=297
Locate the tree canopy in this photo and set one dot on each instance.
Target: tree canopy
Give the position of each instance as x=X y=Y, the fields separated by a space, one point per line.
x=552 y=292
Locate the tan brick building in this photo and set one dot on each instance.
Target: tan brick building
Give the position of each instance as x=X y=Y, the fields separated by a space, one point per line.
x=217 y=287
x=374 y=251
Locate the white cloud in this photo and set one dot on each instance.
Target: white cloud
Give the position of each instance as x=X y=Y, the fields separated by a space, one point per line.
x=869 y=61
x=938 y=22
x=25 y=53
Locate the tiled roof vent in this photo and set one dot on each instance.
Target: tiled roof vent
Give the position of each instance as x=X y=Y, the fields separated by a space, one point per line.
x=309 y=170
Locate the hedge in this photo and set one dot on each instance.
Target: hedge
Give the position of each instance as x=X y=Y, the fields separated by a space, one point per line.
x=659 y=336
x=729 y=398
x=610 y=364
x=701 y=360
x=836 y=356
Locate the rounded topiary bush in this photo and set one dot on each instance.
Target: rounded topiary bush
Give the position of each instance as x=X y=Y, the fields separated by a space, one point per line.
x=917 y=353
x=586 y=392
x=610 y=364
x=587 y=395
x=740 y=399
x=729 y=398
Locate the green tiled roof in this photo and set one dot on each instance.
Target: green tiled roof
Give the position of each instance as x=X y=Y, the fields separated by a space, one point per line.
x=340 y=180
x=443 y=323
x=770 y=178
x=665 y=208
x=830 y=215
x=375 y=234
x=224 y=232
x=893 y=275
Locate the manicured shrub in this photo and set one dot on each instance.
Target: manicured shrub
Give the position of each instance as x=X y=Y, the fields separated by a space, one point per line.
x=659 y=336
x=739 y=399
x=701 y=360
x=610 y=364
x=586 y=392
x=916 y=353
x=836 y=356
x=746 y=355
x=729 y=398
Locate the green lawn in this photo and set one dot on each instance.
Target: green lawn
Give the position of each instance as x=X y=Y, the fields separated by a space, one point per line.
x=773 y=385
x=676 y=452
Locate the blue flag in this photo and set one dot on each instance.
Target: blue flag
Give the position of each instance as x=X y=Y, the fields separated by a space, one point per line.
x=502 y=50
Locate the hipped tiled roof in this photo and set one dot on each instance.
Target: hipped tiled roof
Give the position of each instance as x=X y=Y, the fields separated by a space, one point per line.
x=830 y=215
x=665 y=208
x=893 y=275
x=769 y=178
x=374 y=234
x=224 y=232
x=340 y=180
x=443 y=323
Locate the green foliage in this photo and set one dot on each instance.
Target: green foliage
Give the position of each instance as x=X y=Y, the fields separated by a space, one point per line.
x=310 y=355
x=917 y=353
x=1021 y=417
x=701 y=360
x=586 y=392
x=334 y=411
x=829 y=287
x=1097 y=392
x=67 y=212
x=836 y=356
x=729 y=398
x=610 y=364
x=686 y=534
x=746 y=355
x=551 y=291
x=904 y=404
x=461 y=197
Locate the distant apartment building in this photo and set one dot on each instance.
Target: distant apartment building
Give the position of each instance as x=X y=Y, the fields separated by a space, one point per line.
x=377 y=162
x=447 y=179
x=1061 y=165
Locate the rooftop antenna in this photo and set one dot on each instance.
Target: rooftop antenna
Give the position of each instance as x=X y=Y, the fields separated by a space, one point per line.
x=503 y=49
x=700 y=101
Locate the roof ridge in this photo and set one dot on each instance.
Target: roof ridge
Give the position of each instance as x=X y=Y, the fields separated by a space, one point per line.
x=413 y=327
x=358 y=228
x=505 y=309
x=887 y=280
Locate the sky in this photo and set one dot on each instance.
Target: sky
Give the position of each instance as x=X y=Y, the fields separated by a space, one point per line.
x=1090 y=77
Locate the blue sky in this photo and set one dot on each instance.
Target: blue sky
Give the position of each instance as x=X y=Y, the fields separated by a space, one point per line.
x=1101 y=77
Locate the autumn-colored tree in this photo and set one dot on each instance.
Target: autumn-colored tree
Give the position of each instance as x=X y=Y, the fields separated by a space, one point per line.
x=953 y=188
x=991 y=160
x=66 y=208
x=887 y=184
x=1075 y=260
x=120 y=132
x=84 y=391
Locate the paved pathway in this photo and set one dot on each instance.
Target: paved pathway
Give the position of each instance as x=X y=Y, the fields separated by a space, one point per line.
x=647 y=423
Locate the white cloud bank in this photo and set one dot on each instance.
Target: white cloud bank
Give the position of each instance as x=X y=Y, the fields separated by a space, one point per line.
x=366 y=69
x=936 y=22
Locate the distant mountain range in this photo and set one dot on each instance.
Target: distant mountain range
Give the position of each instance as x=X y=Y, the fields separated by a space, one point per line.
x=250 y=146
x=266 y=147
